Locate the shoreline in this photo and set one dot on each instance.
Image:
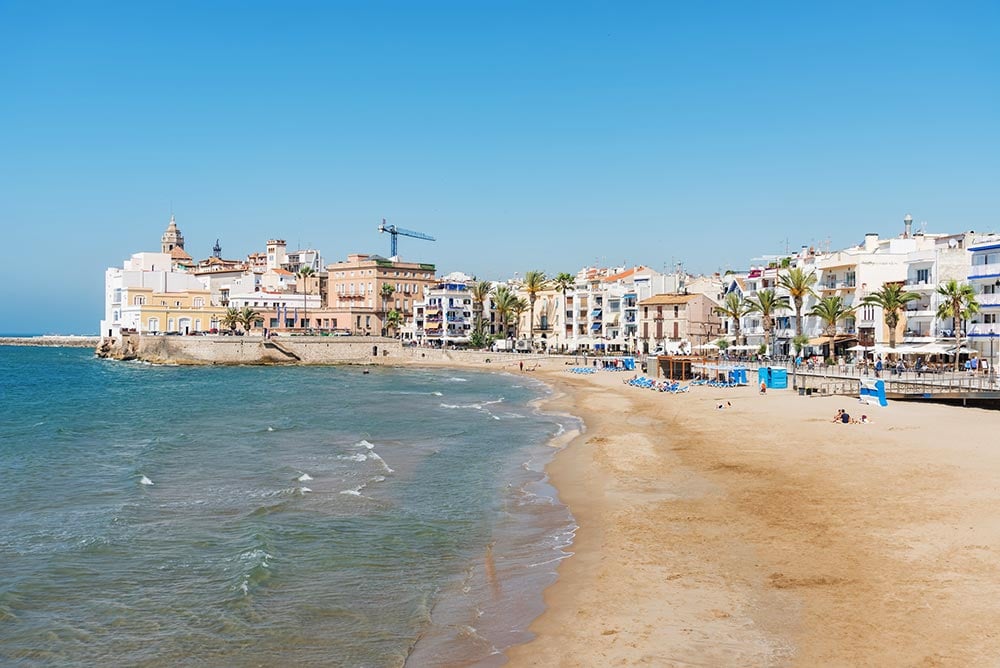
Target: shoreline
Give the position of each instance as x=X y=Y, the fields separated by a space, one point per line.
x=762 y=533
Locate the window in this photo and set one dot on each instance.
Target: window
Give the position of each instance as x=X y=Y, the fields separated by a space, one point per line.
x=139 y=300
x=117 y=299
x=153 y=325
x=199 y=302
x=923 y=275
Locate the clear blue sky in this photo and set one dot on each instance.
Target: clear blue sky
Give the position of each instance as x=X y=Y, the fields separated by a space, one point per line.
x=522 y=135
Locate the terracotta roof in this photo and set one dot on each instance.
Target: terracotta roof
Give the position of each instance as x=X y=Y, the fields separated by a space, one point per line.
x=282 y=272
x=622 y=275
x=178 y=253
x=663 y=300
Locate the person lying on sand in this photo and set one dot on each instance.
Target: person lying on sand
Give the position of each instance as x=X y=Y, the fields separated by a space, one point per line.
x=840 y=413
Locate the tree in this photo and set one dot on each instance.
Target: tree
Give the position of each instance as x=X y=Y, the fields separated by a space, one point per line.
x=734 y=306
x=534 y=282
x=517 y=308
x=959 y=303
x=503 y=301
x=304 y=273
x=892 y=299
x=232 y=318
x=831 y=310
x=393 y=319
x=767 y=303
x=387 y=290
x=480 y=293
x=799 y=284
x=247 y=317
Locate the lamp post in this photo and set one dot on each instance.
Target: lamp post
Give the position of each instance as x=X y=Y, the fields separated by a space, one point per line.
x=993 y=368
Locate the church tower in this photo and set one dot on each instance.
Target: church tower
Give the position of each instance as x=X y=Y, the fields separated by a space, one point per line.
x=172 y=238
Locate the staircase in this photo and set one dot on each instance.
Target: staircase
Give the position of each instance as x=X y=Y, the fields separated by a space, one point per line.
x=271 y=343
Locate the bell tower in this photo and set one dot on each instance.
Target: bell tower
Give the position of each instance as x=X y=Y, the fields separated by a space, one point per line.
x=172 y=238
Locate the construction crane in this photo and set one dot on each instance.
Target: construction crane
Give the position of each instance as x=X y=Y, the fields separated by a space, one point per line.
x=399 y=231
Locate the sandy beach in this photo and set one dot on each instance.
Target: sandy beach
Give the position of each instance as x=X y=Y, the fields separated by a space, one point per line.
x=762 y=534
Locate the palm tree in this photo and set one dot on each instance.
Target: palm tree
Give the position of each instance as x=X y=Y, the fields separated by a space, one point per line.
x=959 y=303
x=734 y=306
x=387 y=290
x=393 y=319
x=232 y=318
x=517 y=308
x=534 y=282
x=247 y=317
x=480 y=293
x=799 y=285
x=831 y=310
x=304 y=273
x=767 y=303
x=892 y=299
x=503 y=301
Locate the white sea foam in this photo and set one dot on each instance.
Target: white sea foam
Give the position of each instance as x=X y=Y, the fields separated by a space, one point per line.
x=364 y=444
x=374 y=455
x=270 y=428
x=436 y=394
x=359 y=457
x=304 y=490
x=456 y=379
x=305 y=477
x=354 y=492
x=145 y=481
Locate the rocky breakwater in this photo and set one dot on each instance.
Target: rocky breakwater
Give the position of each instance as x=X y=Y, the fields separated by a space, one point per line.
x=250 y=349
x=54 y=340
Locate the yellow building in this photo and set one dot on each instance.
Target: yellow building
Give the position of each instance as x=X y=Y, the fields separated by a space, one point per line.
x=184 y=312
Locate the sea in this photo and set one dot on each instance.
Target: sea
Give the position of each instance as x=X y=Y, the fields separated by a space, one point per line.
x=262 y=516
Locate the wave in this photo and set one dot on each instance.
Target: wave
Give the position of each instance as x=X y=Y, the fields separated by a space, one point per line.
x=145 y=481
x=305 y=477
x=374 y=455
x=479 y=405
x=256 y=569
x=359 y=457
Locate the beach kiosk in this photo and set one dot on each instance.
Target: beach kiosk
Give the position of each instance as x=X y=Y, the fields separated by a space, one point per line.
x=775 y=378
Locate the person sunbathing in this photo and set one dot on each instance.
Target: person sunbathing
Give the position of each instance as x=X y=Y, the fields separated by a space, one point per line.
x=839 y=415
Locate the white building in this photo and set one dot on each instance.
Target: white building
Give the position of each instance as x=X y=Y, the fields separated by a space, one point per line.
x=127 y=290
x=445 y=316
x=984 y=276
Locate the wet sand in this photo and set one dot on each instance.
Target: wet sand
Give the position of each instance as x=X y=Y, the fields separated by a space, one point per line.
x=763 y=534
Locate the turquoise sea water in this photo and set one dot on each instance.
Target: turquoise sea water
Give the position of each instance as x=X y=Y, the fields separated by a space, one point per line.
x=269 y=516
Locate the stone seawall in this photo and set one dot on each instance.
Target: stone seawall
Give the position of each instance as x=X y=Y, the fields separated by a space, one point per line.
x=248 y=349
x=202 y=350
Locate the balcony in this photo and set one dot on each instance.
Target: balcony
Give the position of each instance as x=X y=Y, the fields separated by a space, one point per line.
x=983 y=270
x=919 y=286
x=988 y=330
x=989 y=299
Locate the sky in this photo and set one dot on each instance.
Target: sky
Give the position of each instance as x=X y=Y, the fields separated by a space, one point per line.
x=521 y=135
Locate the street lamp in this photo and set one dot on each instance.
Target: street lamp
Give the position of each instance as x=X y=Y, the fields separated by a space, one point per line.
x=993 y=368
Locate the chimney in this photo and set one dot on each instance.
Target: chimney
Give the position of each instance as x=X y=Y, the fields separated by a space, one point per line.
x=871 y=241
x=907 y=225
